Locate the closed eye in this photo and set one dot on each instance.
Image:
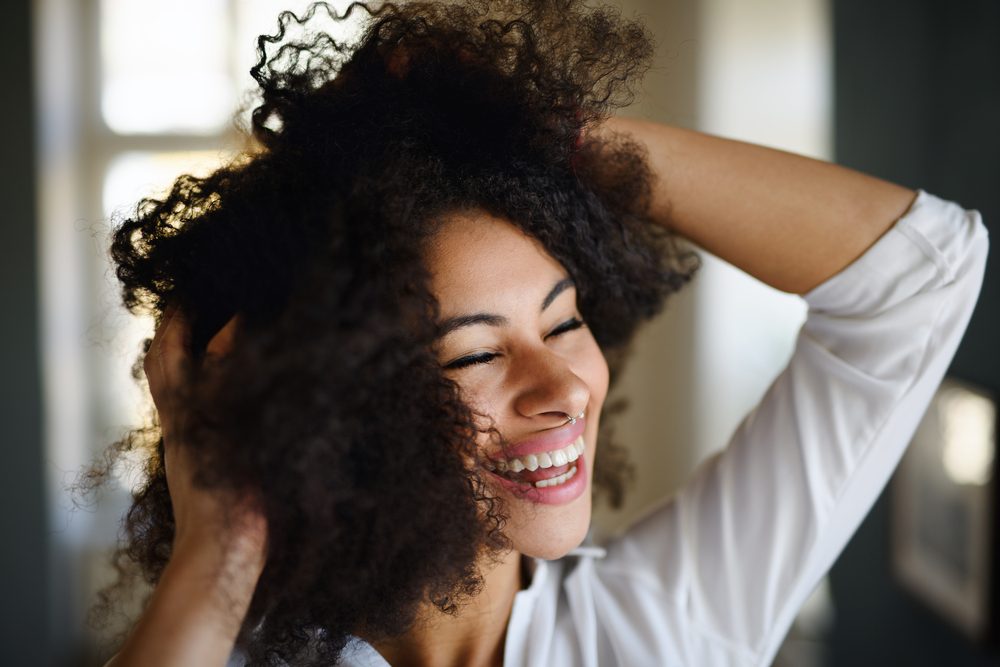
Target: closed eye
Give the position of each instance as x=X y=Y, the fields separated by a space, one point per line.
x=472 y=360
x=568 y=325
x=486 y=357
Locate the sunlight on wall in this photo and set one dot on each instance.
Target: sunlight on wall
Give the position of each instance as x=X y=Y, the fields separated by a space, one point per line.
x=969 y=441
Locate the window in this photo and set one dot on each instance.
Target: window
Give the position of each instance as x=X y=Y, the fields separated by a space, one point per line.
x=132 y=94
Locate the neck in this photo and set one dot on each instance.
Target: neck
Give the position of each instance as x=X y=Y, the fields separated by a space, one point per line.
x=475 y=636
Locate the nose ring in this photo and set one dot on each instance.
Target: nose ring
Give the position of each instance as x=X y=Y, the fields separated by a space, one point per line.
x=570 y=419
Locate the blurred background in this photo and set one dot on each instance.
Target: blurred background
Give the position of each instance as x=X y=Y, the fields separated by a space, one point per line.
x=109 y=100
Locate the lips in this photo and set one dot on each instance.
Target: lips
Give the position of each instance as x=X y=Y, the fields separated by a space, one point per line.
x=561 y=492
x=550 y=440
x=547 y=468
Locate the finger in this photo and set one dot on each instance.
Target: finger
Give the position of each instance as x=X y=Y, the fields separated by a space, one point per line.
x=170 y=344
x=166 y=363
x=167 y=358
x=222 y=341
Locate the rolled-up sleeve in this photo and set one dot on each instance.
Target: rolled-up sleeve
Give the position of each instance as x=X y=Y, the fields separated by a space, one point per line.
x=729 y=560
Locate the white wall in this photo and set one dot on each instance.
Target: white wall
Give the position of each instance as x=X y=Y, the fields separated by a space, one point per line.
x=660 y=426
x=757 y=70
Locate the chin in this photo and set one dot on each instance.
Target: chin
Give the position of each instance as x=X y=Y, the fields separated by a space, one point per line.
x=550 y=533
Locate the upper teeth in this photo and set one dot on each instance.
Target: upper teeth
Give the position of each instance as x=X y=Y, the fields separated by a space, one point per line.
x=532 y=462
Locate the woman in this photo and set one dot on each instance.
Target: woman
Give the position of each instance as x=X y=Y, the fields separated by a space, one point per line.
x=383 y=350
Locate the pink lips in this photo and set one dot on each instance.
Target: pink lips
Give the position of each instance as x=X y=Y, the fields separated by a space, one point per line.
x=552 y=439
x=549 y=495
x=555 y=438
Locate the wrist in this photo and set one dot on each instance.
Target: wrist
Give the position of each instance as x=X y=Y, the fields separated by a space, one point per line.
x=235 y=564
x=233 y=538
x=194 y=615
x=214 y=593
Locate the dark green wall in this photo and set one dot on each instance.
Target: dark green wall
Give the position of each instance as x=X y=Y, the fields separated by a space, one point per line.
x=917 y=90
x=23 y=556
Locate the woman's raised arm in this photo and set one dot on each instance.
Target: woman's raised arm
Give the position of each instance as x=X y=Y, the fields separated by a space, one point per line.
x=722 y=567
x=219 y=550
x=789 y=221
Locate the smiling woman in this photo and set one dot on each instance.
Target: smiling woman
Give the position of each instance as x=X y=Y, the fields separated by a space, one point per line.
x=406 y=264
x=514 y=341
x=386 y=335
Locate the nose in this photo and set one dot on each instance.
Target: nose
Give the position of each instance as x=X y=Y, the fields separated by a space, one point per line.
x=546 y=385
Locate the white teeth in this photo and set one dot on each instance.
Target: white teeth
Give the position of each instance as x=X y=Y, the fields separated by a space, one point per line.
x=557 y=480
x=533 y=462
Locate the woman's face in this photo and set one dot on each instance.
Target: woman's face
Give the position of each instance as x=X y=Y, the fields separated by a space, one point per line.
x=515 y=344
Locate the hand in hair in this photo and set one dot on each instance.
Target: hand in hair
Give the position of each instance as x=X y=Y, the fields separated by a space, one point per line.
x=198 y=513
x=219 y=546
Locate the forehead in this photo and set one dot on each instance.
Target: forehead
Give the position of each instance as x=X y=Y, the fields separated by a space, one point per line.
x=476 y=259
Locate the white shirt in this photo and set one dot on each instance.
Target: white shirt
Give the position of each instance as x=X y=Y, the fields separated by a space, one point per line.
x=716 y=574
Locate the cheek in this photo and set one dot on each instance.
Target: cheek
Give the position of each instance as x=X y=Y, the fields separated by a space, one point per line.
x=480 y=391
x=594 y=371
x=597 y=376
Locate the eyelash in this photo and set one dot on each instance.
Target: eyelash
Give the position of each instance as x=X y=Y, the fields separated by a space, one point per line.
x=472 y=360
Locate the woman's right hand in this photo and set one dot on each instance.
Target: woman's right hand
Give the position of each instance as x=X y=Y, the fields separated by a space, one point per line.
x=220 y=542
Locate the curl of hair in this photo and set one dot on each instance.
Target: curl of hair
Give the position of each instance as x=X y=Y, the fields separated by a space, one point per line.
x=331 y=406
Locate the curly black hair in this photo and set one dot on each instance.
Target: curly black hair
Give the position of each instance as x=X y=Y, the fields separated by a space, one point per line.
x=315 y=235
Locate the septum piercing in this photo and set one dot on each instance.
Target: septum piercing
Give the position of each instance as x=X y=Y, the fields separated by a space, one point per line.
x=571 y=419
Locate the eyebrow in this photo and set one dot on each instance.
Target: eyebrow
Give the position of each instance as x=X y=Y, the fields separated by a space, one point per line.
x=490 y=319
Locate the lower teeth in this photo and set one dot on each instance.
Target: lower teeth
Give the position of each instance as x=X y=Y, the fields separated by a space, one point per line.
x=557 y=480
